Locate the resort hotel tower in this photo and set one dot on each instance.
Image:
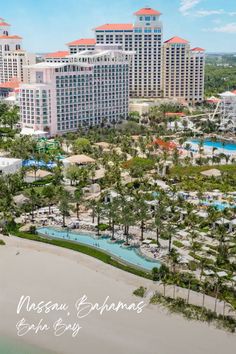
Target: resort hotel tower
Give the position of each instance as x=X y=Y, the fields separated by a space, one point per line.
x=13 y=59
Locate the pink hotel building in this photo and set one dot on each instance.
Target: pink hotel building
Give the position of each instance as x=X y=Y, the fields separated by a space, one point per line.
x=94 y=79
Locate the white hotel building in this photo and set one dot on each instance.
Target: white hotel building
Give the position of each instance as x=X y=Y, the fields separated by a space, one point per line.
x=63 y=96
x=13 y=58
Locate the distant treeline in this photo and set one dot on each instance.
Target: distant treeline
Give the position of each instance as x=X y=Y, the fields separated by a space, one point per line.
x=219 y=79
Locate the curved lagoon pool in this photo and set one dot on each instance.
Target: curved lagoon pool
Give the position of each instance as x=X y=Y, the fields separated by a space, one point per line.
x=127 y=255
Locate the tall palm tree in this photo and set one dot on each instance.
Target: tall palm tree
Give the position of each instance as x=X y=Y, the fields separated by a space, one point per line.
x=34 y=200
x=49 y=195
x=142 y=212
x=78 y=197
x=64 y=206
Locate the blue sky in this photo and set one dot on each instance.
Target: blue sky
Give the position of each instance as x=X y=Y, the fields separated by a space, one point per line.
x=46 y=25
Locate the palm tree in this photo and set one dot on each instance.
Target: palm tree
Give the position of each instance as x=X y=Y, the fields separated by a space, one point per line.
x=11 y=116
x=127 y=217
x=78 y=197
x=64 y=206
x=98 y=210
x=113 y=209
x=34 y=200
x=49 y=194
x=163 y=272
x=142 y=212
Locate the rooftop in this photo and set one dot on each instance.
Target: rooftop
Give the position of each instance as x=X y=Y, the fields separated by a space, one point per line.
x=176 y=40
x=3 y=23
x=46 y=65
x=6 y=161
x=115 y=27
x=79 y=159
x=58 y=54
x=197 y=49
x=10 y=37
x=83 y=41
x=147 y=11
x=173 y=114
x=12 y=84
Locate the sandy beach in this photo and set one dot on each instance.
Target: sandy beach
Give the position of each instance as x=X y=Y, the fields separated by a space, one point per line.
x=47 y=273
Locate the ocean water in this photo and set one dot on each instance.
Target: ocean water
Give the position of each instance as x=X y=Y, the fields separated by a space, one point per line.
x=9 y=346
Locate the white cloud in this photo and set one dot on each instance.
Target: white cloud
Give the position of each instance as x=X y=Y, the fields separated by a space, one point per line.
x=186 y=5
x=228 y=28
x=203 y=13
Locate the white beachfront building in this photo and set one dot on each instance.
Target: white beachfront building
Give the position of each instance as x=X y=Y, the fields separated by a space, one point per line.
x=9 y=165
x=91 y=88
x=227 y=109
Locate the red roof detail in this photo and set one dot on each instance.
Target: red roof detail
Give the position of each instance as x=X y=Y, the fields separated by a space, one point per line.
x=10 y=37
x=176 y=40
x=14 y=83
x=115 y=26
x=58 y=54
x=3 y=23
x=173 y=114
x=147 y=11
x=213 y=100
x=165 y=145
x=197 y=49
x=83 y=41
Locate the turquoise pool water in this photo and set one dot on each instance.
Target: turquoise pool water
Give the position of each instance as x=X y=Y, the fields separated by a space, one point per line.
x=219 y=205
x=217 y=144
x=128 y=255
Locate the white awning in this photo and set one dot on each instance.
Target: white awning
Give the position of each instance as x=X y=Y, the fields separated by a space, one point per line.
x=30 y=131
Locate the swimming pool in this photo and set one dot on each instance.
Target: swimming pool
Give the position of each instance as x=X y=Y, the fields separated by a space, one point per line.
x=216 y=144
x=127 y=255
x=218 y=205
x=39 y=164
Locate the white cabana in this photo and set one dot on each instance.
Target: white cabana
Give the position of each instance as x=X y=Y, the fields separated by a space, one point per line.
x=147 y=241
x=222 y=274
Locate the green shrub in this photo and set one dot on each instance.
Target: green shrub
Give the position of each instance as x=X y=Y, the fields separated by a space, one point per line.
x=192 y=265
x=32 y=229
x=140 y=291
x=2 y=243
x=178 y=244
x=155 y=274
x=103 y=227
